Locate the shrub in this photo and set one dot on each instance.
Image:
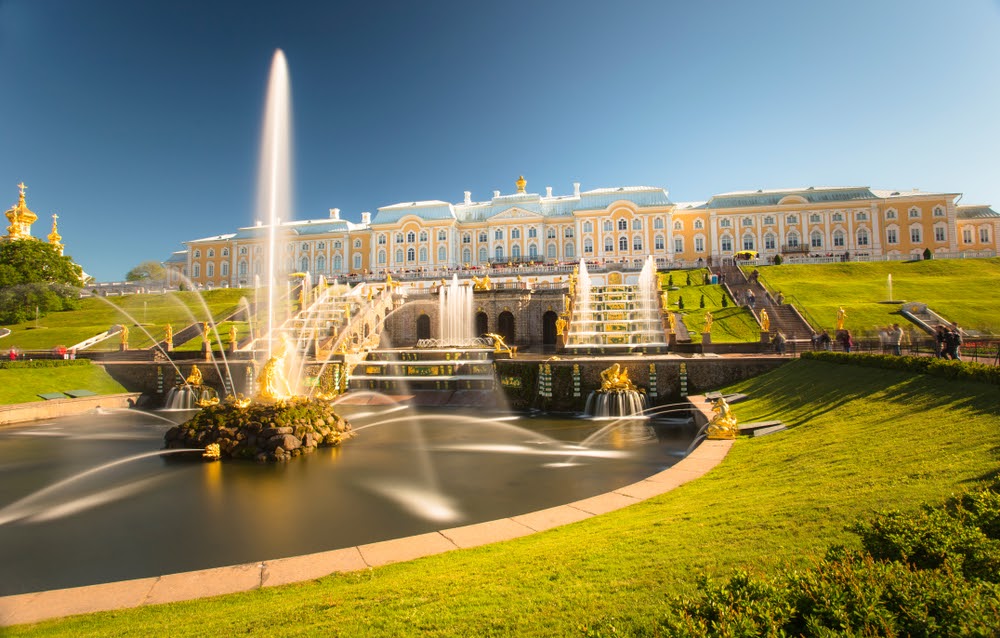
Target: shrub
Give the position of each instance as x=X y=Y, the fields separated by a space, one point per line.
x=670 y=279
x=688 y=278
x=43 y=363
x=777 y=260
x=725 y=300
x=943 y=368
x=701 y=303
x=680 y=303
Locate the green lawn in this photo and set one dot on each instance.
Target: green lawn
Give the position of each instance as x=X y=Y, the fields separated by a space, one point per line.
x=729 y=324
x=23 y=385
x=961 y=290
x=862 y=438
x=150 y=311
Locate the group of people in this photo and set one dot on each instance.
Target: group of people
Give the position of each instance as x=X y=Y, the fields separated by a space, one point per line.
x=949 y=340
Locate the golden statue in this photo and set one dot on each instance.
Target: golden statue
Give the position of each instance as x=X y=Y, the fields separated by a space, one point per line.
x=54 y=237
x=723 y=425
x=765 y=321
x=841 y=316
x=673 y=322
x=212 y=452
x=232 y=334
x=20 y=218
x=195 y=377
x=123 y=335
x=499 y=346
x=615 y=379
x=169 y=335
x=561 y=325
x=567 y=303
x=272 y=384
x=708 y=323
x=483 y=283
x=204 y=333
x=663 y=300
x=521 y=183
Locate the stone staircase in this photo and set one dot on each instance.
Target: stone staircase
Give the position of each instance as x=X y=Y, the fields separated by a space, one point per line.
x=784 y=317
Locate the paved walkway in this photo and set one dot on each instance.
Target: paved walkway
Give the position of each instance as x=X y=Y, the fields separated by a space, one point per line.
x=38 y=606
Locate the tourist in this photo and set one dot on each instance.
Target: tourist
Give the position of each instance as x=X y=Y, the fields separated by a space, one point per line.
x=12 y=354
x=824 y=341
x=952 y=342
x=896 y=339
x=845 y=340
x=780 y=299
x=940 y=337
x=779 y=343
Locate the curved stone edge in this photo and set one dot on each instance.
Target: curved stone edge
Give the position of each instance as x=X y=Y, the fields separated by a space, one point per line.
x=21 y=413
x=57 y=603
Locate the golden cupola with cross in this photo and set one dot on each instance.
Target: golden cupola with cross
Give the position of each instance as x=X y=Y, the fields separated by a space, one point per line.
x=20 y=217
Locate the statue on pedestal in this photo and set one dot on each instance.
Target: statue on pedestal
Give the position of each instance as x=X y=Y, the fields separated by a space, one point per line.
x=723 y=425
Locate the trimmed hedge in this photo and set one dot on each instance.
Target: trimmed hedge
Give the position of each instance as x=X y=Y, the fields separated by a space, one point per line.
x=43 y=363
x=943 y=368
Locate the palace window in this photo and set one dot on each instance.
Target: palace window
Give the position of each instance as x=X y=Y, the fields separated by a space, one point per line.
x=725 y=223
x=357 y=243
x=241 y=268
x=914 y=213
x=399 y=255
x=357 y=262
x=838 y=217
x=442 y=236
x=699 y=244
x=637 y=243
x=940 y=234
x=678 y=225
x=532 y=232
x=304 y=264
x=862 y=237
x=532 y=252
x=678 y=244
x=658 y=223
x=498 y=234
x=861 y=216
x=588 y=246
x=466 y=255
x=423 y=254
x=338 y=261
x=748 y=221
x=699 y=224
x=938 y=211
x=623 y=244
x=411 y=254
x=411 y=237
x=816 y=239
x=890 y=214
x=399 y=238
x=609 y=245
x=225 y=252
x=211 y=252
x=498 y=253
x=815 y=218
x=442 y=254
x=967 y=235
x=210 y=270
x=570 y=250
x=636 y=224
x=770 y=241
x=483 y=255
x=658 y=243
x=466 y=238
x=550 y=233
x=608 y=226
x=769 y=221
x=423 y=235
x=550 y=251
x=321 y=245
x=891 y=236
x=381 y=239
x=482 y=238
x=622 y=224
x=793 y=240
x=337 y=245
x=196 y=271
x=243 y=251
x=588 y=227
x=748 y=242
x=984 y=234
x=568 y=232
x=381 y=258
x=515 y=252
x=838 y=239
x=197 y=254
x=515 y=233
x=792 y=219
x=916 y=235
x=726 y=243
x=321 y=264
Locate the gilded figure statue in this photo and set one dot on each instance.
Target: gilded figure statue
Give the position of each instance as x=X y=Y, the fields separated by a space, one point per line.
x=169 y=335
x=123 y=335
x=673 y=322
x=723 y=425
x=615 y=379
x=195 y=377
x=272 y=384
x=561 y=325
x=232 y=334
x=708 y=323
x=204 y=332
x=841 y=316
x=765 y=321
x=498 y=344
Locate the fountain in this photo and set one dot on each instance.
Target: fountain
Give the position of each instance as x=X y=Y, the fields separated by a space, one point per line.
x=617 y=396
x=455 y=307
x=192 y=394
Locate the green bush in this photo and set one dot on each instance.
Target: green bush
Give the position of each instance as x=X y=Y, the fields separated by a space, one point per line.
x=943 y=368
x=43 y=363
x=777 y=260
x=701 y=304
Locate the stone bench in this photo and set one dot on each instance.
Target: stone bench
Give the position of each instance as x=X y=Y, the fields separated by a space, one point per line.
x=761 y=428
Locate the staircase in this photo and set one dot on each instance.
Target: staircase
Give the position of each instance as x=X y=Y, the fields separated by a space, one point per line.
x=615 y=318
x=784 y=317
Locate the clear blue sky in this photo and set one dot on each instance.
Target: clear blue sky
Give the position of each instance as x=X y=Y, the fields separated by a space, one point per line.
x=138 y=121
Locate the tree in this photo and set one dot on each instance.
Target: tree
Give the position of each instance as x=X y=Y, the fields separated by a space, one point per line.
x=147 y=270
x=35 y=277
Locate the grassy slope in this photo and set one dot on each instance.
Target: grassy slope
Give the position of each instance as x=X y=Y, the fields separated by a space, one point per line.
x=962 y=290
x=23 y=385
x=729 y=324
x=864 y=438
x=98 y=314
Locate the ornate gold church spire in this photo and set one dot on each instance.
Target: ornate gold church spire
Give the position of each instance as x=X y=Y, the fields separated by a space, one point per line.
x=521 y=183
x=54 y=236
x=20 y=218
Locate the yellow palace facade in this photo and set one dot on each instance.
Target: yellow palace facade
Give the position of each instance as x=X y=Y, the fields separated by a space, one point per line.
x=623 y=224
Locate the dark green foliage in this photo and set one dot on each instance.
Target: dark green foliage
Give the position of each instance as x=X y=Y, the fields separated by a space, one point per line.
x=688 y=278
x=701 y=303
x=930 y=573
x=670 y=279
x=927 y=253
x=777 y=260
x=34 y=275
x=43 y=363
x=725 y=300
x=146 y=271
x=680 y=303
x=944 y=368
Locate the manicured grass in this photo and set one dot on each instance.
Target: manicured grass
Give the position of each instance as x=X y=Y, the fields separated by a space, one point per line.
x=151 y=311
x=729 y=324
x=961 y=290
x=23 y=385
x=861 y=439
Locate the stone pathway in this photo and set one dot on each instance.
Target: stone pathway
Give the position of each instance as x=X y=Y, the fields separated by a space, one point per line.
x=38 y=606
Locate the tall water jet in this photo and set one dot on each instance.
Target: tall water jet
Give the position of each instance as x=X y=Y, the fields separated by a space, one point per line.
x=274 y=184
x=455 y=309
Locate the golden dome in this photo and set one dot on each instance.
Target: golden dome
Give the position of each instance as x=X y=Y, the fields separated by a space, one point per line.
x=20 y=218
x=521 y=183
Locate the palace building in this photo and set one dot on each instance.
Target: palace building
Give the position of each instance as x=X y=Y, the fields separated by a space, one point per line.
x=623 y=224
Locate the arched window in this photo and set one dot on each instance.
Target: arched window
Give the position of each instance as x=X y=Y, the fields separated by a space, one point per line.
x=816 y=239
x=862 y=237
x=357 y=262
x=482 y=237
x=815 y=218
x=304 y=264
x=483 y=255
x=442 y=254
x=338 y=262
x=211 y=252
x=678 y=244
x=498 y=253
x=608 y=226
x=726 y=243
x=466 y=255
x=399 y=238
x=699 y=224
x=658 y=242
x=381 y=258
x=748 y=242
x=623 y=244
x=725 y=223
x=609 y=245
x=466 y=238
x=225 y=252
x=399 y=256
x=532 y=232
x=769 y=241
x=838 y=239
x=792 y=219
x=515 y=252
x=515 y=233
x=769 y=220
x=411 y=237
x=423 y=254
x=551 y=233
x=321 y=264
x=532 y=252
x=411 y=254
x=357 y=243
x=793 y=240
x=678 y=224
x=442 y=235
x=588 y=246
x=242 y=268
x=210 y=270
x=637 y=243
x=570 y=250
x=550 y=251
x=224 y=269
x=636 y=224
x=498 y=234
x=622 y=224
x=243 y=250
x=658 y=223
x=588 y=227
x=381 y=239
x=423 y=235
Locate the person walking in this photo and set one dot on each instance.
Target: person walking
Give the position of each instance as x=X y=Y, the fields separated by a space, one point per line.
x=846 y=342
x=952 y=342
x=940 y=336
x=896 y=339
